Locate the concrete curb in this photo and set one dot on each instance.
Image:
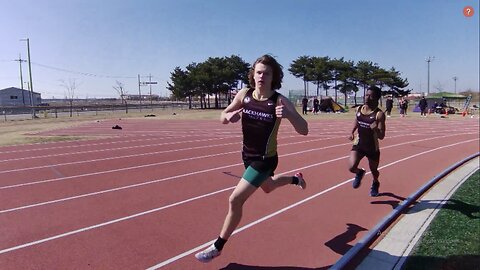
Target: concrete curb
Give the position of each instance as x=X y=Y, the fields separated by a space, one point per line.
x=392 y=251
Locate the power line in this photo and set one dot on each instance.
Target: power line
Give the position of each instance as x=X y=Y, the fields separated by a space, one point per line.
x=83 y=73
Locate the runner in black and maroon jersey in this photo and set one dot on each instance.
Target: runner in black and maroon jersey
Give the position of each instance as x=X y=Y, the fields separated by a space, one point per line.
x=370 y=124
x=262 y=108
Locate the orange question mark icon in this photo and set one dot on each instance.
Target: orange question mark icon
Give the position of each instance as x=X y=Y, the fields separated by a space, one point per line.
x=468 y=11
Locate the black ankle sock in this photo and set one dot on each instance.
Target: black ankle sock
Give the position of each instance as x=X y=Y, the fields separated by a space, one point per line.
x=219 y=243
x=294 y=180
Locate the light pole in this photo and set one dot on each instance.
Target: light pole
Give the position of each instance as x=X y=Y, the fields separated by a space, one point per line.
x=429 y=59
x=455 y=78
x=30 y=75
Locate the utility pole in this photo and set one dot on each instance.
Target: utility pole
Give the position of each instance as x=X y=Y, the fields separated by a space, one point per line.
x=455 y=78
x=428 y=60
x=150 y=85
x=147 y=83
x=139 y=92
x=30 y=75
x=20 y=60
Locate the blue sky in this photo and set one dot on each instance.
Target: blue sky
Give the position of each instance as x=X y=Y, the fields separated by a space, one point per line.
x=125 y=38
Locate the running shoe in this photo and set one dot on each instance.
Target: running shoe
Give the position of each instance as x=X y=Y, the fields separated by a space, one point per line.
x=301 y=182
x=208 y=254
x=358 y=178
x=374 y=189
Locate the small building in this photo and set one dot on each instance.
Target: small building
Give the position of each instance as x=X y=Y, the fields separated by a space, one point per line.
x=14 y=96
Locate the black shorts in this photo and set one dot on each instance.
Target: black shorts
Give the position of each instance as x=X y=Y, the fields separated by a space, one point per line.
x=373 y=155
x=258 y=169
x=261 y=164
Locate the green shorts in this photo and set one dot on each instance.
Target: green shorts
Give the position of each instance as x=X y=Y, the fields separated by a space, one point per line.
x=257 y=170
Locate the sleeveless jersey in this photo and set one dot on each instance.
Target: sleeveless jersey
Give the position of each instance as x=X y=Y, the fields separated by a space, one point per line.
x=367 y=138
x=259 y=126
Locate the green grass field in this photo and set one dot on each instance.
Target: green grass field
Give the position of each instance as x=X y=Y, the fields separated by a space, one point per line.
x=452 y=241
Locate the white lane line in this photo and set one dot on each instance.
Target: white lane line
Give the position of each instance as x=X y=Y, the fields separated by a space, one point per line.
x=198 y=248
x=204 y=196
x=189 y=174
x=119 y=188
x=110 y=222
x=112 y=171
x=173 y=161
x=140 y=154
x=109 y=149
x=137 y=167
x=79 y=144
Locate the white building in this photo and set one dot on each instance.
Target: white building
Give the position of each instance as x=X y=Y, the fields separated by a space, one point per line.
x=18 y=97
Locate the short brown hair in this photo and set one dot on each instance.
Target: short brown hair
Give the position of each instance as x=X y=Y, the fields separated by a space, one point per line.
x=268 y=60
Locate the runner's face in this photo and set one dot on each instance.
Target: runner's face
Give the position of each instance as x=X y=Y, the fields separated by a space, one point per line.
x=263 y=76
x=370 y=99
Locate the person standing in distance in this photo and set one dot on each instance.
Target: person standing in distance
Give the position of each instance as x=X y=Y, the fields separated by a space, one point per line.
x=262 y=108
x=370 y=125
x=305 y=105
x=389 y=106
x=422 y=104
x=316 y=105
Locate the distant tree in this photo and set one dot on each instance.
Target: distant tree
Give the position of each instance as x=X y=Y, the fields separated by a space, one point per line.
x=237 y=73
x=216 y=76
x=336 y=68
x=71 y=87
x=122 y=92
x=396 y=84
x=181 y=85
x=381 y=77
x=319 y=73
x=301 y=68
x=364 y=71
x=439 y=86
x=197 y=78
x=347 y=76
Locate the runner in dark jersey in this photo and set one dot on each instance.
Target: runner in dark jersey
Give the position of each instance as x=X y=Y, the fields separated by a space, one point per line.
x=262 y=108
x=370 y=125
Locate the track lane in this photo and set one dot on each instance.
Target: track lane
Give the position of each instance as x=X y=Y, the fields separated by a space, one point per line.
x=337 y=168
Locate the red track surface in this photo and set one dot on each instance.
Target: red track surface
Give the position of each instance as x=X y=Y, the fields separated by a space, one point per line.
x=154 y=193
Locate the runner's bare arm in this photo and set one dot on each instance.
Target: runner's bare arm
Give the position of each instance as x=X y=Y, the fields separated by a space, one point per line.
x=285 y=109
x=231 y=114
x=379 y=125
x=355 y=126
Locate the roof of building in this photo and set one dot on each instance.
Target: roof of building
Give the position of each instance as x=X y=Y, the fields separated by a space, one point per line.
x=18 y=89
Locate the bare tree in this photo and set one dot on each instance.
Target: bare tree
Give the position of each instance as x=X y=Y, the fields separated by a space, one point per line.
x=120 y=88
x=71 y=86
x=439 y=86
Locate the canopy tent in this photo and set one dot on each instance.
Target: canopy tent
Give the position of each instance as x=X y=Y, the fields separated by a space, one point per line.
x=441 y=99
x=327 y=104
x=445 y=95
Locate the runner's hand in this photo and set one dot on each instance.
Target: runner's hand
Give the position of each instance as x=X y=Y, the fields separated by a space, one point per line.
x=281 y=110
x=233 y=116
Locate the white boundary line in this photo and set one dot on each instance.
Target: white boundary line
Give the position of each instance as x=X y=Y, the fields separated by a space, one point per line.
x=203 y=196
x=136 y=154
x=184 y=175
x=191 y=251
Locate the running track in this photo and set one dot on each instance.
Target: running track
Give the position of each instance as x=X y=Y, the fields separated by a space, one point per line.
x=156 y=192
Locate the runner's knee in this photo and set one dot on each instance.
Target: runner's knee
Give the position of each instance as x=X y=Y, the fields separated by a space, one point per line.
x=235 y=201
